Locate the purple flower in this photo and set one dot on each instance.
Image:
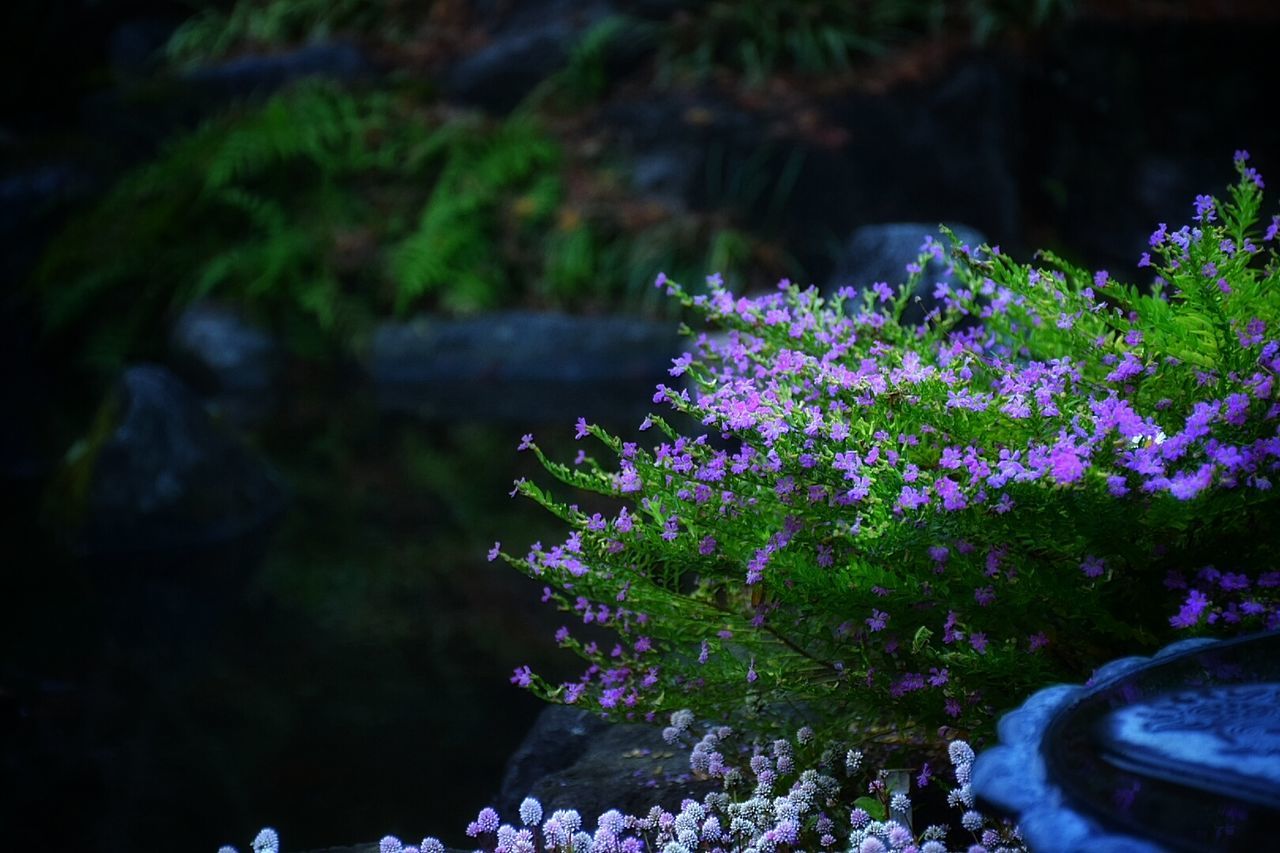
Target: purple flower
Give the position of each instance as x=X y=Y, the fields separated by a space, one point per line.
x=878 y=620
x=751 y=671
x=1184 y=486
x=1231 y=581
x=1191 y=611
x=582 y=429
x=949 y=490
x=495 y=551
x=1205 y=209
x=526 y=441
x=926 y=775
x=979 y=642
x=523 y=676
x=707 y=546
x=912 y=498
x=949 y=632
x=1065 y=462
x=1093 y=566
x=488 y=820
x=1128 y=368
x=623 y=523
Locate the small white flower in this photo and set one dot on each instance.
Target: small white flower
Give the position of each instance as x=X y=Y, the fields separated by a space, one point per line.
x=960 y=752
x=530 y=811
x=267 y=841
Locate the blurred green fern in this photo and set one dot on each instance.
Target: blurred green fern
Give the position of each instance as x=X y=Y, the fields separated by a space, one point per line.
x=247 y=206
x=451 y=251
x=759 y=38
x=321 y=210
x=214 y=33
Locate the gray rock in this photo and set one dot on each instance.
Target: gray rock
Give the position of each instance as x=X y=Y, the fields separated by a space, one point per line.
x=559 y=737
x=135 y=47
x=162 y=476
x=881 y=253
x=23 y=194
x=571 y=759
x=260 y=74
x=236 y=355
x=30 y=201
x=519 y=365
x=524 y=49
x=520 y=346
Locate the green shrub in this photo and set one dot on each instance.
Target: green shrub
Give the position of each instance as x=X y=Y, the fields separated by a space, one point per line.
x=889 y=526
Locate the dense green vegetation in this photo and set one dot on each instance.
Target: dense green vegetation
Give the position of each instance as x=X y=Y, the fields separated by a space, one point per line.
x=323 y=209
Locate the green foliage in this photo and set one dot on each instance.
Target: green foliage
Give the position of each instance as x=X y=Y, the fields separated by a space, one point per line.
x=586 y=76
x=322 y=209
x=759 y=38
x=248 y=207
x=452 y=249
x=214 y=34
x=900 y=526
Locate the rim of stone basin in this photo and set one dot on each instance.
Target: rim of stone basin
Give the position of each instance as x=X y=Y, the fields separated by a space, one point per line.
x=1100 y=767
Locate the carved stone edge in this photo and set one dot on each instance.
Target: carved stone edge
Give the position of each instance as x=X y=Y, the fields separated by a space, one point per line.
x=1012 y=774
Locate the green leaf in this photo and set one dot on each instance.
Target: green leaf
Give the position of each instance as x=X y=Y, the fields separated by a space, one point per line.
x=872 y=807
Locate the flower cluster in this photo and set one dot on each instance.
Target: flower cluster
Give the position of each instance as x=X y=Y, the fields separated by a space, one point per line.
x=886 y=520
x=767 y=804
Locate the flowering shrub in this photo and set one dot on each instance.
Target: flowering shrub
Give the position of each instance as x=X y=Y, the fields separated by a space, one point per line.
x=818 y=810
x=878 y=526
x=888 y=525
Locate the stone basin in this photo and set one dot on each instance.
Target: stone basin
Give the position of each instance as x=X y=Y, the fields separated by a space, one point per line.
x=1178 y=752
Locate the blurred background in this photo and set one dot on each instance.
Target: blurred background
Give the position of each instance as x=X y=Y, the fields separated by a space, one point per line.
x=286 y=280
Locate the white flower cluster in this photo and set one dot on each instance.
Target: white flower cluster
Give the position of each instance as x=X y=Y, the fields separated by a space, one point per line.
x=764 y=822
